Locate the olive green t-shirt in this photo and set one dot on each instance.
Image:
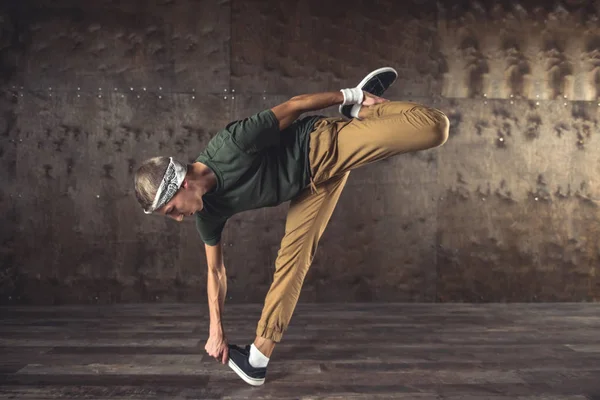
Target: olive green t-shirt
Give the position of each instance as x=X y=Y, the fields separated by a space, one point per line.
x=256 y=165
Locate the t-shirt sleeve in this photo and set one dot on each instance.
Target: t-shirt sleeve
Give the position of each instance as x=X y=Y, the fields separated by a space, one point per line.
x=210 y=229
x=254 y=133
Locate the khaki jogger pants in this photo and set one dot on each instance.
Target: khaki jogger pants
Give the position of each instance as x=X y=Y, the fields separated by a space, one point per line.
x=337 y=147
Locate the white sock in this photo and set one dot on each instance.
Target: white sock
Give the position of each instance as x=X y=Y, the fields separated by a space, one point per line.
x=257 y=359
x=352 y=96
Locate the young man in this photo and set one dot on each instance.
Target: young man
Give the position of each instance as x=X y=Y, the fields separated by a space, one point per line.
x=273 y=157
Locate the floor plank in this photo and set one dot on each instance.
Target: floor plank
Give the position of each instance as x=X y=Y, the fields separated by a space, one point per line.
x=331 y=351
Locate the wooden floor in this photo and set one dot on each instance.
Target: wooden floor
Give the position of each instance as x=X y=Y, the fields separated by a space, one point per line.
x=355 y=351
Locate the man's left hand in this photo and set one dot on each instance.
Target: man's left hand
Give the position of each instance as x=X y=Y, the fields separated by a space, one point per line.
x=371 y=99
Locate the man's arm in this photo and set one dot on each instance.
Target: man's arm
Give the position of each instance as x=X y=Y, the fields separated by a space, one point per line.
x=289 y=111
x=217 y=286
x=217 y=290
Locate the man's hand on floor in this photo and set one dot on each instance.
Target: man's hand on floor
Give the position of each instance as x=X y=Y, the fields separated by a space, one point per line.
x=216 y=346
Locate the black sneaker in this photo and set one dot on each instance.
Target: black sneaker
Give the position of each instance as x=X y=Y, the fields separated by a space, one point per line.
x=376 y=83
x=239 y=361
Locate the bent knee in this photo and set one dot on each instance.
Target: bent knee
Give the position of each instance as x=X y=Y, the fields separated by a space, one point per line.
x=441 y=129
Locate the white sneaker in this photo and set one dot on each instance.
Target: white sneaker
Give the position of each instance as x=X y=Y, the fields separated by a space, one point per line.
x=376 y=83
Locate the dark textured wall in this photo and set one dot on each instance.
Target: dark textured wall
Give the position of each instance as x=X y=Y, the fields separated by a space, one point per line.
x=507 y=210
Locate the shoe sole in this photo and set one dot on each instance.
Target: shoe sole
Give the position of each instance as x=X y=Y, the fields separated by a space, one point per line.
x=248 y=379
x=376 y=83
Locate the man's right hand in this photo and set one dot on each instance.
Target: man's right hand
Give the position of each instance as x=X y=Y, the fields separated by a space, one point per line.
x=216 y=346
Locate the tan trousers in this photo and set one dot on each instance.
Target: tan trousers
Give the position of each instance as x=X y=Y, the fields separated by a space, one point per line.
x=337 y=147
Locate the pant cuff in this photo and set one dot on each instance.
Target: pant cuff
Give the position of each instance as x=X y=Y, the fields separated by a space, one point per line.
x=269 y=332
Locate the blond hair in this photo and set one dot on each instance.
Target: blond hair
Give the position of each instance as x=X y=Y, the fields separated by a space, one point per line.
x=148 y=178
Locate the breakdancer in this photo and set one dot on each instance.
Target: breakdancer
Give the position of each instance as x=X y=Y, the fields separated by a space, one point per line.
x=272 y=157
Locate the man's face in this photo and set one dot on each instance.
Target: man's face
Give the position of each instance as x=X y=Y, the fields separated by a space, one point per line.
x=183 y=204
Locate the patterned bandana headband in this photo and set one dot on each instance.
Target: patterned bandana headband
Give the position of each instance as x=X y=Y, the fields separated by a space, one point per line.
x=171 y=182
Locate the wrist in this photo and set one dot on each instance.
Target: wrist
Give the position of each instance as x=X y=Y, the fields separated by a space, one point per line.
x=216 y=330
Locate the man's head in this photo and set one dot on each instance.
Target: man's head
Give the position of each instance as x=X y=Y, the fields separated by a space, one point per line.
x=164 y=186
